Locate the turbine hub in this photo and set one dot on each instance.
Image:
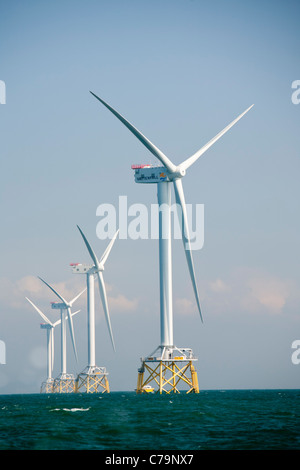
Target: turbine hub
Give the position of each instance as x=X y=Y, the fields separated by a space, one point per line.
x=178 y=173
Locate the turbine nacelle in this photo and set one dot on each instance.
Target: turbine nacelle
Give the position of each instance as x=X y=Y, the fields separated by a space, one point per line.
x=59 y=306
x=79 y=268
x=46 y=326
x=156 y=174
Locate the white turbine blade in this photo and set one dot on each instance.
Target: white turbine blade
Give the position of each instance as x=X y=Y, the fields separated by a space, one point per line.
x=72 y=314
x=40 y=312
x=153 y=149
x=77 y=297
x=71 y=328
x=75 y=313
x=108 y=249
x=105 y=305
x=90 y=249
x=59 y=321
x=55 y=292
x=187 y=163
x=180 y=200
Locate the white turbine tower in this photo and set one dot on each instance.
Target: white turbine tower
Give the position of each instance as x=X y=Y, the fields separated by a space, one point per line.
x=65 y=382
x=172 y=174
x=47 y=385
x=94 y=378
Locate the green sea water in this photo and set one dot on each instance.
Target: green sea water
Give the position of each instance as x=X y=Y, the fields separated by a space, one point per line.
x=211 y=420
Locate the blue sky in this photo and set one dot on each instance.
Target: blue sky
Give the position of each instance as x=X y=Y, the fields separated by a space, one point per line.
x=180 y=71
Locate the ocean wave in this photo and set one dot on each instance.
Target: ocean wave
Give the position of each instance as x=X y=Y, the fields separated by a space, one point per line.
x=73 y=410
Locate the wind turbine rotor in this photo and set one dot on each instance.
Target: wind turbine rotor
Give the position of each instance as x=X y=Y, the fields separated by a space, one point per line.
x=175 y=173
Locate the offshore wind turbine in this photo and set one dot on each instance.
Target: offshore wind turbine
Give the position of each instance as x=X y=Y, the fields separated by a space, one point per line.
x=47 y=385
x=94 y=378
x=172 y=174
x=67 y=306
x=65 y=382
x=49 y=326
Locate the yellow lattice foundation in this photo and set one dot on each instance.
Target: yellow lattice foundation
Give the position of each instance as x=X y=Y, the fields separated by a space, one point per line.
x=65 y=383
x=92 y=380
x=47 y=386
x=167 y=377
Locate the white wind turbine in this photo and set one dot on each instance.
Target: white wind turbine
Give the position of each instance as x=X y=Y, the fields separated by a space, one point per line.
x=93 y=378
x=174 y=174
x=49 y=326
x=65 y=305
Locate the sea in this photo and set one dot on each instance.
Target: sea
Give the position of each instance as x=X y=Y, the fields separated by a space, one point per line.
x=178 y=425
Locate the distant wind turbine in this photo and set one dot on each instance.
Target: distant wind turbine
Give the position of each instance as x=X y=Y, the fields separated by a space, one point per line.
x=49 y=326
x=93 y=377
x=67 y=306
